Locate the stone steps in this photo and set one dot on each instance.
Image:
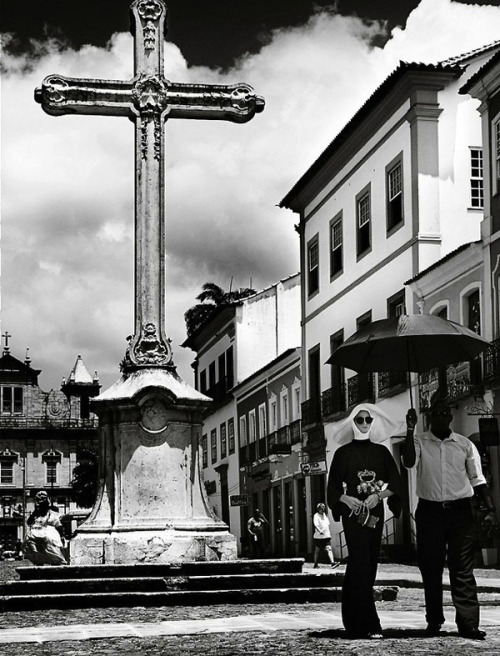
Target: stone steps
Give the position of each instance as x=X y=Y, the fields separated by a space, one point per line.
x=170 y=583
x=182 y=598
x=190 y=583
x=188 y=568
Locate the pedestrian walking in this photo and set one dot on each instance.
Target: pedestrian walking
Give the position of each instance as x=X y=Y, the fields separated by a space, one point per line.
x=255 y=527
x=448 y=474
x=362 y=474
x=322 y=536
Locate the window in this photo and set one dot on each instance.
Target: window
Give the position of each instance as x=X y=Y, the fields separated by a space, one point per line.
x=51 y=472
x=394 y=195
x=284 y=408
x=211 y=376
x=336 y=246
x=496 y=150
x=243 y=431
x=262 y=421
x=474 y=312
x=6 y=471
x=364 y=320
x=222 y=370
x=230 y=367
x=204 y=451
x=273 y=415
x=396 y=305
x=336 y=398
x=442 y=313
x=213 y=445
x=223 y=440
x=313 y=266
x=314 y=385
x=11 y=400
x=203 y=381
x=252 y=427
x=476 y=178
x=296 y=402
x=363 y=214
x=230 y=434
x=51 y=460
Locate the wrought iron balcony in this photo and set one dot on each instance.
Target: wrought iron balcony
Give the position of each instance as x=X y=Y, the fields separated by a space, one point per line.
x=220 y=391
x=491 y=359
x=333 y=400
x=314 y=439
x=311 y=412
x=295 y=432
x=262 y=447
x=360 y=388
x=9 y=421
x=391 y=382
x=457 y=381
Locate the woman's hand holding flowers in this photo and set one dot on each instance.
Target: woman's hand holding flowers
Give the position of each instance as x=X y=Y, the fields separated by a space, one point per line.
x=372 y=500
x=352 y=503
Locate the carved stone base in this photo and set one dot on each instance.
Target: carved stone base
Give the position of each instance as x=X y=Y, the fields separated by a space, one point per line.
x=157 y=547
x=151 y=505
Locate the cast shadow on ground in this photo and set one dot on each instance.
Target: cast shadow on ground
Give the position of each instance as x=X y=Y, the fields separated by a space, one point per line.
x=396 y=634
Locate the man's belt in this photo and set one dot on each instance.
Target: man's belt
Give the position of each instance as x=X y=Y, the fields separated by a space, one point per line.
x=445 y=504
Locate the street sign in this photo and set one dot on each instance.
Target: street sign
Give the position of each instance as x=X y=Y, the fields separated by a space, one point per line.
x=312 y=468
x=239 y=499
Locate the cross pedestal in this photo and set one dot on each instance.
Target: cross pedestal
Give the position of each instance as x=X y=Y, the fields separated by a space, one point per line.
x=151 y=504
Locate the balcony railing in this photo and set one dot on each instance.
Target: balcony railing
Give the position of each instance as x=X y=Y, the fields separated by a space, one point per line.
x=460 y=381
x=220 y=390
x=295 y=431
x=313 y=439
x=8 y=421
x=491 y=359
x=359 y=389
x=391 y=382
x=333 y=400
x=311 y=412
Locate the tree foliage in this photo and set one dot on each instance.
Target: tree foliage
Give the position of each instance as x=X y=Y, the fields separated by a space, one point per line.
x=85 y=478
x=212 y=298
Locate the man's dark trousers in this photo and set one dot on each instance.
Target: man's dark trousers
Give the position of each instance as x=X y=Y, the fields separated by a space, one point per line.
x=445 y=532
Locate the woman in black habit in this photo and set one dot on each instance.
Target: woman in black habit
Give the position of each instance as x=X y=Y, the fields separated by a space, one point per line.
x=362 y=474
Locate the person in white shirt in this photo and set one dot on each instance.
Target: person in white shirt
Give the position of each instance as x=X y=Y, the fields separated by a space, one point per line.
x=322 y=535
x=448 y=475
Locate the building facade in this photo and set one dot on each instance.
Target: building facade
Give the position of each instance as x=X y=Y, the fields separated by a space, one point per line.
x=41 y=434
x=242 y=338
x=484 y=86
x=398 y=189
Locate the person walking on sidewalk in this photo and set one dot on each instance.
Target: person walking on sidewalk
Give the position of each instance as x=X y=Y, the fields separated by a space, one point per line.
x=362 y=474
x=322 y=536
x=255 y=527
x=448 y=474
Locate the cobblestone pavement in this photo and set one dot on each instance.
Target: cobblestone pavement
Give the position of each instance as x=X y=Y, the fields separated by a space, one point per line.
x=403 y=622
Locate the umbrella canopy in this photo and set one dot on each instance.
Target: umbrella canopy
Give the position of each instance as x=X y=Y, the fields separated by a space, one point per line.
x=410 y=342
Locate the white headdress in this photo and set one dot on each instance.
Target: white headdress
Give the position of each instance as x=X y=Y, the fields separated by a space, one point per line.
x=382 y=428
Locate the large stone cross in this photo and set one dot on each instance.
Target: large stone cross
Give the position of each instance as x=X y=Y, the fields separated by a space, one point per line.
x=149 y=100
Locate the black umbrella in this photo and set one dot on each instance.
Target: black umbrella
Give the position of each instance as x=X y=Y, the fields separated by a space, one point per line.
x=410 y=342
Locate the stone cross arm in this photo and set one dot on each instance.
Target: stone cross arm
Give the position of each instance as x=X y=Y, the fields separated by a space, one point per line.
x=146 y=95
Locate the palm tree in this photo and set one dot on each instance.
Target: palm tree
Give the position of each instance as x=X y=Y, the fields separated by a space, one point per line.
x=212 y=298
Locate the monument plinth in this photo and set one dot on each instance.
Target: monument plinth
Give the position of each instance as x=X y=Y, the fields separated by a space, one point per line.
x=151 y=504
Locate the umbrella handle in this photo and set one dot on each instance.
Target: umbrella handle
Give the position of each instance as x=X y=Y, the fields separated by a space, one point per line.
x=409 y=372
x=409 y=387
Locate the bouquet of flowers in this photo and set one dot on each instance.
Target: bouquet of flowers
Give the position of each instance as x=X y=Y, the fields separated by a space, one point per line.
x=368 y=484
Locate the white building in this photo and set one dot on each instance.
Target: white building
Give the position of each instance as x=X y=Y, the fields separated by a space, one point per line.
x=397 y=189
x=242 y=338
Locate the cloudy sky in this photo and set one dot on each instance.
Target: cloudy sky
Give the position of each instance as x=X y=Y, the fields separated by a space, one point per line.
x=67 y=182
